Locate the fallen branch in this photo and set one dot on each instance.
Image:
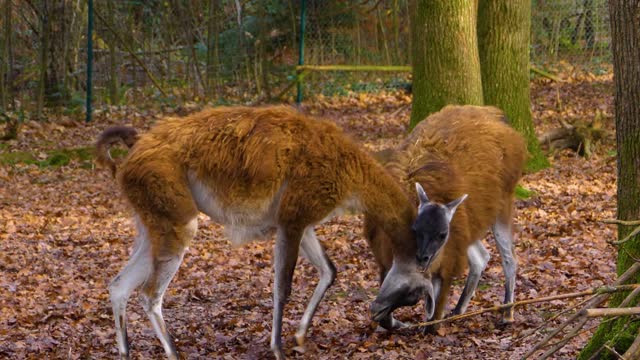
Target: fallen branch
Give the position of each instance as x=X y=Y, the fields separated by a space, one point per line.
x=631 y=271
x=555 y=316
x=599 y=291
x=621 y=222
x=611 y=311
x=560 y=344
x=543 y=73
x=635 y=232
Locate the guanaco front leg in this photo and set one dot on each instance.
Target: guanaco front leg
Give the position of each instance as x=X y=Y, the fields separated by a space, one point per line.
x=285 y=258
x=478 y=257
x=441 y=288
x=313 y=251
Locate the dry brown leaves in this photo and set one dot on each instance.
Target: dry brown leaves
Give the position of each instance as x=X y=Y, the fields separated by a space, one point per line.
x=64 y=234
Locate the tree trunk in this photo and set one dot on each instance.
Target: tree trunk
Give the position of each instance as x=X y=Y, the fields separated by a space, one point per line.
x=212 y=44
x=446 y=65
x=263 y=38
x=625 y=34
x=113 y=57
x=44 y=45
x=56 y=92
x=503 y=41
x=5 y=69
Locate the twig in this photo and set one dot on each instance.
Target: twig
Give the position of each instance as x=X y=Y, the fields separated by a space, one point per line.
x=611 y=311
x=555 y=316
x=559 y=345
x=600 y=290
x=635 y=232
x=544 y=74
x=621 y=222
x=624 y=302
x=631 y=271
x=629 y=297
x=577 y=333
x=613 y=351
x=634 y=350
x=130 y=51
x=401 y=108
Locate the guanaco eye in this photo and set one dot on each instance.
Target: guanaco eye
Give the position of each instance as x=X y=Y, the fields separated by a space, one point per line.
x=442 y=235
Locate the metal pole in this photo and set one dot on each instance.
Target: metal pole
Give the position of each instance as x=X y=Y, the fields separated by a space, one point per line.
x=89 y=59
x=303 y=10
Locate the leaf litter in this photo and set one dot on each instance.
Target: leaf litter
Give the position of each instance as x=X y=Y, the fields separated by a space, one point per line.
x=64 y=233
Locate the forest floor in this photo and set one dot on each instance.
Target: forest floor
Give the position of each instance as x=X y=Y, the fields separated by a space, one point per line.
x=64 y=233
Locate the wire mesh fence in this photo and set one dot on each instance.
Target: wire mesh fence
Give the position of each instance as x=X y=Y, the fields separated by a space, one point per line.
x=573 y=31
x=233 y=51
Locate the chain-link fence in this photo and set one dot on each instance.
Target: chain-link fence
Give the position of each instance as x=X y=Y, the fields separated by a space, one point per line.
x=573 y=31
x=378 y=33
x=232 y=51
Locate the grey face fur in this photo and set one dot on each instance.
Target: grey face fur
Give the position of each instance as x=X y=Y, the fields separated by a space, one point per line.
x=432 y=226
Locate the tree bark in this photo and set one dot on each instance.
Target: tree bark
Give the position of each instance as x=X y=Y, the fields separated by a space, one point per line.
x=446 y=65
x=212 y=50
x=44 y=45
x=5 y=69
x=503 y=40
x=113 y=57
x=625 y=34
x=58 y=27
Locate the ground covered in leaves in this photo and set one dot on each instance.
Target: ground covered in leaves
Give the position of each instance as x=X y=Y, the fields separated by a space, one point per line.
x=64 y=233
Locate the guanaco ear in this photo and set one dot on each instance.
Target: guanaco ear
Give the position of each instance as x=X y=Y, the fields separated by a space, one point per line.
x=422 y=195
x=452 y=206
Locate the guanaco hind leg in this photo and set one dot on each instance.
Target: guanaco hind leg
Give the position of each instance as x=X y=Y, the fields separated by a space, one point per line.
x=478 y=257
x=502 y=231
x=313 y=251
x=153 y=265
x=130 y=277
x=165 y=265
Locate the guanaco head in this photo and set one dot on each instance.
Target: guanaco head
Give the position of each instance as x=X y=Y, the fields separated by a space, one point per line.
x=432 y=226
x=402 y=286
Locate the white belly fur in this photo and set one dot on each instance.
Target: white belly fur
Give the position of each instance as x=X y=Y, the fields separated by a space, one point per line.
x=246 y=224
x=241 y=224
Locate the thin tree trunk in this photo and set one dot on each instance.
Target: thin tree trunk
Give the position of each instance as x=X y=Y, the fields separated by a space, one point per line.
x=262 y=49
x=44 y=45
x=383 y=32
x=5 y=70
x=358 y=42
x=446 y=65
x=589 y=30
x=212 y=69
x=294 y=18
x=503 y=40
x=396 y=33
x=113 y=58
x=243 y=42
x=625 y=33
x=193 y=35
x=58 y=26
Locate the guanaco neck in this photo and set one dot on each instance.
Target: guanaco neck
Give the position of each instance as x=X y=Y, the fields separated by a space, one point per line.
x=386 y=203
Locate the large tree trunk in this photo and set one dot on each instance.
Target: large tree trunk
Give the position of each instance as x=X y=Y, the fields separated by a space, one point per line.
x=503 y=39
x=446 y=65
x=625 y=34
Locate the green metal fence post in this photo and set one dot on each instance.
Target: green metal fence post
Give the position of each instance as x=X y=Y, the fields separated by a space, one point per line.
x=303 y=10
x=89 y=58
